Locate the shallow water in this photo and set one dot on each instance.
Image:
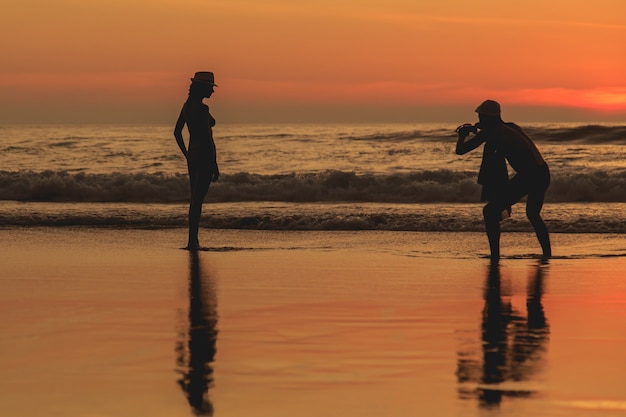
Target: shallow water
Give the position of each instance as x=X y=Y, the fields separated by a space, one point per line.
x=583 y=218
x=121 y=323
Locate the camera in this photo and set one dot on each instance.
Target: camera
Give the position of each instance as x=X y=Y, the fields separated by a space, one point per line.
x=467 y=128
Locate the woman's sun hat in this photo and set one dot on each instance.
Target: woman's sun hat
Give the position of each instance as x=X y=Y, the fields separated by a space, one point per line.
x=204 y=77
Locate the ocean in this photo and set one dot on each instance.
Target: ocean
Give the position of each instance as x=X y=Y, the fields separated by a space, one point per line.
x=346 y=273
x=388 y=177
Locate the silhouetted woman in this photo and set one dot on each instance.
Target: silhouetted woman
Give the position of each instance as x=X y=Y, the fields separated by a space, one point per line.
x=201 y=154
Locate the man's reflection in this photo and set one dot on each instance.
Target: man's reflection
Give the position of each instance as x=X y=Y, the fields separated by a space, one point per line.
x=512 y=345
x=195 y=348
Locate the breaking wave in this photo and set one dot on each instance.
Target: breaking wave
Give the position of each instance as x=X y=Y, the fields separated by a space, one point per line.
x=437 y=186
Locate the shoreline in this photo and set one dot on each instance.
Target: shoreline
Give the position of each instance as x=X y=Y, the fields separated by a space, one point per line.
x=427 y=244
x=561 y=218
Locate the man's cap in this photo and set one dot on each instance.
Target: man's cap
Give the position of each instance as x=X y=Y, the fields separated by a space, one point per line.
x=489 y=108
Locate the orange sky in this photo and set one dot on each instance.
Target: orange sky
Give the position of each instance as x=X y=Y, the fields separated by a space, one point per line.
x=328 y=60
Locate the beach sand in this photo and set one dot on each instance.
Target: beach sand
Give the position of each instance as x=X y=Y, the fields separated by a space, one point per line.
x=101 y=322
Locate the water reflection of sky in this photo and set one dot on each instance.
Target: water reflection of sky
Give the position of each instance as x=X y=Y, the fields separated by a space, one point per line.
x=512 y=344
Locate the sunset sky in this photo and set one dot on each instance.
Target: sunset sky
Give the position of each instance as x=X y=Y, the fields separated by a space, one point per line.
x=88 y=61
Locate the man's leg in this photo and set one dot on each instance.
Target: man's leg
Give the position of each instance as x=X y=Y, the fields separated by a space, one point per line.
x=534 y=205
x=492 y=213
x=509 y=195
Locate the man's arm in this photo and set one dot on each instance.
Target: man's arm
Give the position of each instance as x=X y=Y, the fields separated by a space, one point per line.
x=463 y=146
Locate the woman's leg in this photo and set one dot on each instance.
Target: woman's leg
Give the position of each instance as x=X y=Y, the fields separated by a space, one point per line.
x=199 y=188
x=195 y=212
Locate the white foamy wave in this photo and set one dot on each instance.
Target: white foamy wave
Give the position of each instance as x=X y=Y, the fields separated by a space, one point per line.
x=61 y=186
x=436 y=186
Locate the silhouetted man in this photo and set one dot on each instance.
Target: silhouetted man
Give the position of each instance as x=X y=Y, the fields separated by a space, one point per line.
x=532 y=176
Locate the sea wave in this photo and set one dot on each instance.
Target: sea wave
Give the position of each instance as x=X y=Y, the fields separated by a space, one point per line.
x=433 y=134
x=565 y=133
x=560 y=218
x=544 y=132
x=575 y=133
x=587 y=134
x=434 y=186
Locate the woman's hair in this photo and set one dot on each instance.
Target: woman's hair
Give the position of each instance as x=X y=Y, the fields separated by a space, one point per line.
x=198 y=88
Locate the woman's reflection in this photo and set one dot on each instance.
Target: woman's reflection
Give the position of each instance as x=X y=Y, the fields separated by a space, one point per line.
x=195 y=348
x=512 y=345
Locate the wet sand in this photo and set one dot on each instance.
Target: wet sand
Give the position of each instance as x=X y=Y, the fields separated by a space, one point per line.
x=99 y=322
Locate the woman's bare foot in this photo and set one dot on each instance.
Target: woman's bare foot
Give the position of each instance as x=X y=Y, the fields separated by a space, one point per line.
x=192 y=244
x=195 y=247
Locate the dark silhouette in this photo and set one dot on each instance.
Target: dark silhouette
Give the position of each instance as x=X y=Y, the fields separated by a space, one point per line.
x=512 y=345
x=196 y=347
x=201 y=153
x=493 y=175
x=508 y=141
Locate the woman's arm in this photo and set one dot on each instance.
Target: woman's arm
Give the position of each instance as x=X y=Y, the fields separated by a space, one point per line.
x=178 y=131
x=216 y=171
x=463 y=146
